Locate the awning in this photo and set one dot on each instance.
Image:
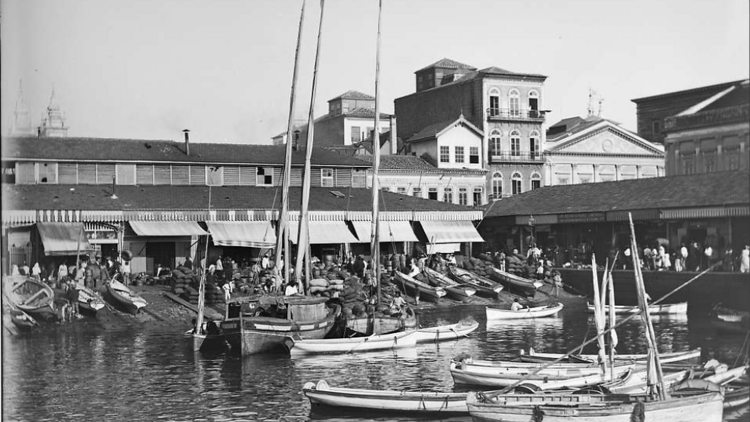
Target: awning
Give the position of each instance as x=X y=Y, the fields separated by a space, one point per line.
x=248 y=234
x=433 y=248
x=61 y=239
x=390 y=231
x=167 y=228
x=450 y=231
x=325 y=232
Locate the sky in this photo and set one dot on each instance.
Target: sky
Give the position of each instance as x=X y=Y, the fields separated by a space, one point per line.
x=146 y=69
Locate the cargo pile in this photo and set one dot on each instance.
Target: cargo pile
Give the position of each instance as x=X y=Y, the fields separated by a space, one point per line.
x=185 y=283
x=477 y=266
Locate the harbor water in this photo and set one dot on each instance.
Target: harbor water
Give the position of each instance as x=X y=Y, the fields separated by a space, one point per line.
x=83 y=372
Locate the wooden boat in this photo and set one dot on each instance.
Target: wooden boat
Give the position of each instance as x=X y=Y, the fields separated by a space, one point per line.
x=88 y=300
x=534 y=356
x=725 y=327
x=375 y=342
x=33 y=297
x=417 y=288
x=124 y=297
x=209 y=338
x=453 y=289
x=514 y=282
x=446 y=332
x=419 y=402
x=736 y=393
x=661 y=309
x=382 y=324
x=728 y=314
x=484 y=286
x=264 y=322
x=22 y=320
x=525 y=313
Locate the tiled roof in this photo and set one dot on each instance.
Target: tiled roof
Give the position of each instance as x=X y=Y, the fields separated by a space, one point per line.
x=498 y=71
x=448 y=63
x=98 y=197
x=432 y=130
x=571 y=125
x=353 y=95
x=695 y=190
x=738 y=96
x=366 y=112
x=716 y=88
x=141 y=150
x=401 y=162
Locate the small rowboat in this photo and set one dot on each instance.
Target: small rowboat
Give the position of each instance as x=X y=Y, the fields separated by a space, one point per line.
x=22 y=320
x=736 y=394
x=385 y=400
x=514 y=282
x=416 y=287
x=484 y=286
x=375 y=342
x=662 y=309
x=33 y=297
x=455 y=290
x=446 y=332
x=663 y=357
x=89 y=300
x=125 y=297
x=525 y=313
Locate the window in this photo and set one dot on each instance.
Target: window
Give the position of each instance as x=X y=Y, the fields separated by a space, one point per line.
x=534 y=146
x=473 y=155
x=536 y=181
x=198 y=175
x=448 y=195
x=494 y=102
x=25 y=174
x=515 y=104
x=401 y=190
x=563 y=180
x=515 y=144
x=105 y=174
x=495 y=142
x=326 y=178
x=655 y=127
x=162 y=175
x=688 y=164
x=264 y=176
x=432 y=194
x=47 y=172
x=497 y=185
x=126 y=174
x=516 y=183
x=215 y=175
x=459 y=155
x=144 y=174
x=180 y=175
x=417 y=192
x=369 y=134
x=356 y=134
x=445 y=154
x=463 y=198
x=87 y=174
x=731 y=159
x=477 y=195
x=68 y=174
x=533 y=104
x=709 y=161
x=359 y=178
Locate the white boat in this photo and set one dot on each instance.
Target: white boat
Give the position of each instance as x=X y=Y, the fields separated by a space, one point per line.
x=417 y=288
x=88 y=299
x=663 y=357
x=385 y=400
x=662 y=309
x=525 y=313
x=375 y=342
x=446 y=332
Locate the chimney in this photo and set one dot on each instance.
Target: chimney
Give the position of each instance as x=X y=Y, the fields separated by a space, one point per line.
x=295 y=145
x=394 y=135
x=187 y=141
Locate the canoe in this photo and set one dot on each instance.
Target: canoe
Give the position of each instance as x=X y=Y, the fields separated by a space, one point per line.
x=453 y=289
x=525 y=313
x=88 y=300
x=662 y=309
x=526 y=366
x=736 y=394
x=22 y=320
x=484 y=286
x=33 y=297
x=419 y=402
x=446 y=332
x=731 y=327
x=729 y=315
x=417 y=288
x=635 y=381
x=375 y=342
x=124 y=297
x=663 y=357
x=514 y=282
x=373 y=324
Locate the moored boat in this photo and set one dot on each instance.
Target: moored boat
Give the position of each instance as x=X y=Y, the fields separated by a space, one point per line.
x=375 y=342
x=124 y=297
x=33 y=297
x=514 y=282
x=453 y=289
x=446 y=332
x=484 y=286
x=382 y=324
x=535 y=356
x=736 y=393
x=661 y=309
x=88 y=300
x=419 y=289
x=22 y=320
x=494 y=313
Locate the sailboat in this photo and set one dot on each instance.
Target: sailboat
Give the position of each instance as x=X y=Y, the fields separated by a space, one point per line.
x=690 y=405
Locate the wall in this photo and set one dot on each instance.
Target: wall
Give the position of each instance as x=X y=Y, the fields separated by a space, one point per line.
x=733 y=137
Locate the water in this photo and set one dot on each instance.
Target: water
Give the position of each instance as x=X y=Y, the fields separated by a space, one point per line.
x=82 y=372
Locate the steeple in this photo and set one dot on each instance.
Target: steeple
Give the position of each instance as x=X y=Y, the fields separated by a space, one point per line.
x=21 y=125
x=53 y=124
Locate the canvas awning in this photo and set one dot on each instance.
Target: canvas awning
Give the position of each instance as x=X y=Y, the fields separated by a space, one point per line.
x=248 y=234
x=167 y=228
x=433 y=248
x=61 y=239
x=390 y=231
x=450 y=231
x=325 y=232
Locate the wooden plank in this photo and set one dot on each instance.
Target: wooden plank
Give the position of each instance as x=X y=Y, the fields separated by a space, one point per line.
x=208 y=312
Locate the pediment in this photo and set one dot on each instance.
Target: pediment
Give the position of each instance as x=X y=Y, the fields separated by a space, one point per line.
x=608 y=140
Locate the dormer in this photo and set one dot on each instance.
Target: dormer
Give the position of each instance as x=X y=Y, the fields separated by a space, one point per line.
x=440 y=73
x=348 y=101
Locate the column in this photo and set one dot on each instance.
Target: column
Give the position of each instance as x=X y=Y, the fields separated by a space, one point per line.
x=617 y=172
x=596 y=171
x=638 y=171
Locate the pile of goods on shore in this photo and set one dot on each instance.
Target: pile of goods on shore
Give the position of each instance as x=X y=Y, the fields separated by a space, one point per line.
x=478 y=266
x=185 y=282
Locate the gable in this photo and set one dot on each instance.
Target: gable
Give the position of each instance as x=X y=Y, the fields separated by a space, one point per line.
x=459 y=134
x=608 y=141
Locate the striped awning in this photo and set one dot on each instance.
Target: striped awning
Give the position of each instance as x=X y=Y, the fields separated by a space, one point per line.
x=433 y=248
x=60 y=239
x=390 y=231
x=167 y=228
x=450 y=231
x=248 y=234
x=707 y=212
x=325 y=232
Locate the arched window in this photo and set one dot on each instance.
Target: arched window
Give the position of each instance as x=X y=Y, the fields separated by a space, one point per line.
x=536 y=181
x=515 y=182
x=497 y=185
x=534 y=146
x=533 y=104
x=515 y=144
x=495 y=138
x=515 y=103
x=494 y=102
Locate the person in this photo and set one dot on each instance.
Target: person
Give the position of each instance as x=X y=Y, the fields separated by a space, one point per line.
x=397 y=304
x=556 y=282
x=219 y=268
x=451 y=259
x=95 y=273
x=264 y=262
x=125 y=272
x=291 y=288
x=72 y=296
x=62 y=271
x=540 y=271
x=158 y=271
x=188 y=263
x=414 y=270
x=359 y=266
x=227 y=292
x=25 y=270
x=745 y=260
x=14 y=270
x=516 y=305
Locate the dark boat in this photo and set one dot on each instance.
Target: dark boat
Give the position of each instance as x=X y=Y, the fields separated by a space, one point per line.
x=22 y=320
x=33 y=297
x=455 y=290
x=124 y=297
x=484 y=286
x=514 y=282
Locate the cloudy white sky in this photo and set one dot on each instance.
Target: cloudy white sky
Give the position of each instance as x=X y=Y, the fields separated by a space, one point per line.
x=150 y=68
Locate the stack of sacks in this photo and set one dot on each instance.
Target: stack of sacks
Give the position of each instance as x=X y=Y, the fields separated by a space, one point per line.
x=183 y=278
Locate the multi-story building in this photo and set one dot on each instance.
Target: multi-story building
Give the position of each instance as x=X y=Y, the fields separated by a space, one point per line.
x=506 y=108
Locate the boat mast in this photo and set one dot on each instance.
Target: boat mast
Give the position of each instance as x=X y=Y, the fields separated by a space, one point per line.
x=598 y=313
x=612 y=322
x=282 y=231
x=375 y=239
x=303 y=238
x=202 y=288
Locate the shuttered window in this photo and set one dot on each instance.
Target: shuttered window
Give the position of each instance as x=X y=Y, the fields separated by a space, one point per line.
x=47 y=173
x=180 y=175
x=215 y=176
x=144 y=174
x=67 y=173
x=25 y=174
x=316 y=178
x=87 y=174
x=198 y=175
x=126 y=174
x=296 y=179
x=326 y=177
x=343 y=177
x=231 y=176
x=359 y=178
x=247 y=176
x=277 y=175
x=264 y=176
x=105 y=173
x=162 y=175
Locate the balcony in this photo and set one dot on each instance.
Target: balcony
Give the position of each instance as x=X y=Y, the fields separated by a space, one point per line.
x=722 y=116
x=518 y=157
x=498 y=114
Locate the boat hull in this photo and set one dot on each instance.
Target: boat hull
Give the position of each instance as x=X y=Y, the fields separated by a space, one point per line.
x=663 y=357
x=381 y=324
x=513 y=282
x=484 y=287
x=123 y=297
x=550 y=380
x=445 y=332
x=525 y=313
x=424 y=291
x=372 y=343
x=664 y=309
x=453 y=290
x=34 y=298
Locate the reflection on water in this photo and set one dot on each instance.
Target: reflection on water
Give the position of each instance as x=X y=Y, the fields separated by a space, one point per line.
x=70 y=373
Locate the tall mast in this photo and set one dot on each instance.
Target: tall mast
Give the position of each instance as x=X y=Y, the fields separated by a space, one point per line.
x=303 y=237
x=282 y=231
x=375 y=240
x=202 y=290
